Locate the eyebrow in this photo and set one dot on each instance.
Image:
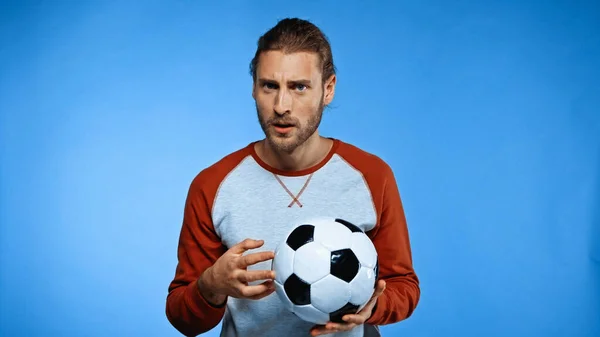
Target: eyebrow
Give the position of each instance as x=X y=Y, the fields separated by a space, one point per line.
x=298 y=81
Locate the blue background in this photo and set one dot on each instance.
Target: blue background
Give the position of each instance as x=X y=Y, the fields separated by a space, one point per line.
x=488 y=113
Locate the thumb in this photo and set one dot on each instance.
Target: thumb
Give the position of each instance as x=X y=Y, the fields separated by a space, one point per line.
x=380 y=288
x=246 y=245
x=378 y=291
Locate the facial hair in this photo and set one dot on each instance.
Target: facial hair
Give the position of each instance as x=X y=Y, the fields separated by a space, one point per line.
x=302 y=132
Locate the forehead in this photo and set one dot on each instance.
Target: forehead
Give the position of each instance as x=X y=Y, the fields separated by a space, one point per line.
x=283 y=66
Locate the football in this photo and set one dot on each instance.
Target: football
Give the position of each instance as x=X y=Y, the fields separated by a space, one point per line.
x=324 y=269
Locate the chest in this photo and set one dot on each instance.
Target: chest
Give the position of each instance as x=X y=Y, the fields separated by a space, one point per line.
x=268 y=207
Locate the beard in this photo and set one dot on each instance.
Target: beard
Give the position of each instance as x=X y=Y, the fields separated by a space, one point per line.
x=301 y=132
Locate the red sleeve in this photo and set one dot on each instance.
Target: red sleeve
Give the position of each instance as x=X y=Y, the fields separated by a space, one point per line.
x=199 y=247
x=390 y=237
x=391 y=240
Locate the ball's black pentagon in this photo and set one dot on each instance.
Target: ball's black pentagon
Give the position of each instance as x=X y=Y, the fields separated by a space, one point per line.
x=344 y=264
x=297 y=290
x=337 y=315
x=352 y=227
x=300 y=236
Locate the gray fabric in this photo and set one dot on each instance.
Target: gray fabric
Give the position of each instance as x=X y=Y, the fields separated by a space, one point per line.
x=371 y=331
x=251 y=203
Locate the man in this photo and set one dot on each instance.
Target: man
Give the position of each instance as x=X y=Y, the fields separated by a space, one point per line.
x=238 y=209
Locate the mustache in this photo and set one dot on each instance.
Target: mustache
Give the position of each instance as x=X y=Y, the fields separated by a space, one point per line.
x=284 y=121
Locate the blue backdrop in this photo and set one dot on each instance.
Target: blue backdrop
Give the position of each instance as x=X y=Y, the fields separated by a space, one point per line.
x=488 y=113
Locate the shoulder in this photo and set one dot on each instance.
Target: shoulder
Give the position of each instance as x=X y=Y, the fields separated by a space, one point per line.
x=377 y=175
x=208 y=180
x=368 y=164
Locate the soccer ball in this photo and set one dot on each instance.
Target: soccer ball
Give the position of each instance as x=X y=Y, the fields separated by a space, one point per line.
x=325 y=268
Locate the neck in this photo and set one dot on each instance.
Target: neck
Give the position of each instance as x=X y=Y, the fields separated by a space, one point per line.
x=304 y=156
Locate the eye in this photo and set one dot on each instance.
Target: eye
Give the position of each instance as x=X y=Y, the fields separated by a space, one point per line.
x=300 y=87
x=270 y=86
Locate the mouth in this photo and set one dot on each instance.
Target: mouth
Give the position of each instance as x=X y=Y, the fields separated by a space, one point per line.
x=283 y=127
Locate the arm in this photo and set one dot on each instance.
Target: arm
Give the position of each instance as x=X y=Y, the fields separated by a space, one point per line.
x=187 y=309
x=391 y=240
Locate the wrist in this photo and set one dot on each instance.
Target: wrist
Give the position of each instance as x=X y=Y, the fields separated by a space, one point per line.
x=205 y=284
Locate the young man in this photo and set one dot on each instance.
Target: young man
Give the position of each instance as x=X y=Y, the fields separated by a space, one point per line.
x=246 y=200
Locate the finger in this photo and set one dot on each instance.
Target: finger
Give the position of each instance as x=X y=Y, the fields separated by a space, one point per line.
x=261 y=295
x=256 y=290
x=378 y=291
x=354 y=319
x=256 y=275
x=371 y=304
x=245 y=245
x=330 y=327
x=255 y=258
x=380 y=288
x=315 y=330
x=340 y=326
x=319 y=330
x=271 y=289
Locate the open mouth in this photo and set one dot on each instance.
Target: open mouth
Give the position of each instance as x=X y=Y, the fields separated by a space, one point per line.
x=283 y=127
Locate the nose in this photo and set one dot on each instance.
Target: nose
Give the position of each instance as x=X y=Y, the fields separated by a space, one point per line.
x=283 y=102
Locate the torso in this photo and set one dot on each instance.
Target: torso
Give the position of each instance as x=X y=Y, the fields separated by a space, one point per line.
x=252 y=203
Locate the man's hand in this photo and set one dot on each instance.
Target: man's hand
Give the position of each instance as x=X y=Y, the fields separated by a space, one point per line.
x=228 y=276
x=352 y=320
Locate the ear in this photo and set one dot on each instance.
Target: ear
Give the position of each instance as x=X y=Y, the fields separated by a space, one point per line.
x=329 y=89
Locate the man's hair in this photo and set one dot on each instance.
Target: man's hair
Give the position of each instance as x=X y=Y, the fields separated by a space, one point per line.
x=292 y=35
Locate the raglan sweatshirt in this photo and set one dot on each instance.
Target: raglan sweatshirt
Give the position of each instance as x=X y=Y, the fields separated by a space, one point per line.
x=240 y=197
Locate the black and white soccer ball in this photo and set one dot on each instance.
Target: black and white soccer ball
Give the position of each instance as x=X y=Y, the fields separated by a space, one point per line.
x=325 y=268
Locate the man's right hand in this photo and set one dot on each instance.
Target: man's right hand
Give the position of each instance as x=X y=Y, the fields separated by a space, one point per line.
x=229 y=276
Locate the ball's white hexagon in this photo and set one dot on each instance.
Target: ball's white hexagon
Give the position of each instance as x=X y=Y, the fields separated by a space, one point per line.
x=332 y=235
x=285 y=300
x=312 y=262
x=362 y=286
x=363 y=248
x=329 y=294
x=283 y=263
x=311 y=314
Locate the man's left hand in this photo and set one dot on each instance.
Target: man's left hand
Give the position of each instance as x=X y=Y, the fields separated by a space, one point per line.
x=351 y=320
